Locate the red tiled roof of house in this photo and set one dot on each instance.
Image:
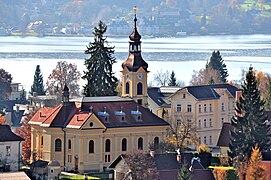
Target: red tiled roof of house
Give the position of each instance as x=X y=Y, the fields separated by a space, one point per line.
x=78 y=120
x=120 y=111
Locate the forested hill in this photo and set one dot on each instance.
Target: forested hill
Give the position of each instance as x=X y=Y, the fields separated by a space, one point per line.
x=60 y=12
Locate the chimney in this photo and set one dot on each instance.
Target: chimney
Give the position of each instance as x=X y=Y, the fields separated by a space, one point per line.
x=237 y=95
x=152 y=153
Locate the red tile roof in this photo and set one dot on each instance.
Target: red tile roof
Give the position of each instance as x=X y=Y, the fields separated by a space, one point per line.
x=70 y=116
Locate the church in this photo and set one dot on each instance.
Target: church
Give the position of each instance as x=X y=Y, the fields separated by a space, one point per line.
x=89 y=133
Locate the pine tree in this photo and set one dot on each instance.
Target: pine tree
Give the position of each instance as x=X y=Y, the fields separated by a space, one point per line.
x=255 y=171
x=38 y=86
x=184 y=173
x=99 y=76
x=172 y=79
x=249 y=123
x=216 y=62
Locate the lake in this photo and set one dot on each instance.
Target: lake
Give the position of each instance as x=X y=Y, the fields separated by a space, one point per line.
x=20 y=55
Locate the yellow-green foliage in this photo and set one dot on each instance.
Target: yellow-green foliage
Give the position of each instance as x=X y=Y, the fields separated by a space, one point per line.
x=203 y=148
x=255 y=171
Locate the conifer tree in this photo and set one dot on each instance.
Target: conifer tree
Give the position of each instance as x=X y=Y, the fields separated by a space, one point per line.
x=99 y=76
x=38 y=86
x=172 y=79
x=249 y=123
x=216 y=62
x=184 y=173
x=255 y=171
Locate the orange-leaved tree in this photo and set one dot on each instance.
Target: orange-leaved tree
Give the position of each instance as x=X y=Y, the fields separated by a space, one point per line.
x=25 y=132
x=255 y=170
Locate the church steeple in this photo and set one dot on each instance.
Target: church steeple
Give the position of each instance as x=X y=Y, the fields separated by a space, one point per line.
x=135 y=60
x=135 y=70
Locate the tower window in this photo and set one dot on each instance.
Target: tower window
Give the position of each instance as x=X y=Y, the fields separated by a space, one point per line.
x=127 y=90
x=156 y=142
x=139 y=89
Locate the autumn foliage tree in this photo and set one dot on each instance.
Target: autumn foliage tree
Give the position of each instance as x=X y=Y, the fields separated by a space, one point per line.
x=25 y=132
x=205 y=76
x=181 y=134
x=64 y=73
x=141 y=166
x=255 y=170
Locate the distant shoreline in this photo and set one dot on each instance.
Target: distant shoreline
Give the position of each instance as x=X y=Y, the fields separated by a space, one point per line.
x=126 y=35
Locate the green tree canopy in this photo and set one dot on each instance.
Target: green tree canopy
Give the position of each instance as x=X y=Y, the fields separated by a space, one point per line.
x=99 y=76
x=249 y=123
x=38 y=86
x=216 y=62
x=5 y=81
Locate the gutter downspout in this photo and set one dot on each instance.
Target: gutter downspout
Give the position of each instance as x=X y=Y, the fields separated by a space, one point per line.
x=64 y=163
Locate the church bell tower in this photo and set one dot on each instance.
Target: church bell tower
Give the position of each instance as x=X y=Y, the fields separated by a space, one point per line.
x=134 y=73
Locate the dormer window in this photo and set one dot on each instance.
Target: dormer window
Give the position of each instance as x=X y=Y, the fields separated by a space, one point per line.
x=137 y=115
x=104 y=115
x=120 y=115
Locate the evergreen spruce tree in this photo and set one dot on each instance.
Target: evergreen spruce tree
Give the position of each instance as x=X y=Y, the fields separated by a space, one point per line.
x=38 y=86
x=172 y=79
x=216 y=62
x=255 y=170
x=99 y=76
x=249 y=123
x=184 y=173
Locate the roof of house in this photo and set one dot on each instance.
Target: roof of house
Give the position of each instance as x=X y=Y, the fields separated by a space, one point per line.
x=16 y=117
x=155 y=94
x=168 y=166
x=206 y=92
x=204 y=174
x=69 y=115
x=39 y=163
x=14 y=175
x=224 y=137
x=7 y=135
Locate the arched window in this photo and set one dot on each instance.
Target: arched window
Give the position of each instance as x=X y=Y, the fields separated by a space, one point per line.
x=127 y=90
x=156 y=142
x=91 y=146
x=140 y=143
x=57 y=145
x=107 y=145
x=124 y=144
x=139 y=88
x=69 y=144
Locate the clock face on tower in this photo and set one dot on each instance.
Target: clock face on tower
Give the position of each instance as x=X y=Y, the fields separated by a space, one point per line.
x=139 y=76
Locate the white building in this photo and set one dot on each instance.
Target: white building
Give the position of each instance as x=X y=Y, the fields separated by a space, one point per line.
x=10 y=149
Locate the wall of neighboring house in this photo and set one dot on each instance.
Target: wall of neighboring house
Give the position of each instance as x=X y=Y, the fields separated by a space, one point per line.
x=208 y=115
x=80 y=139
x=9 y=154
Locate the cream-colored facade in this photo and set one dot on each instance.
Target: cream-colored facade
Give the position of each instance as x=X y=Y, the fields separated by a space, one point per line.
x=78 y=154
x=207 y=113
x=134 y=85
